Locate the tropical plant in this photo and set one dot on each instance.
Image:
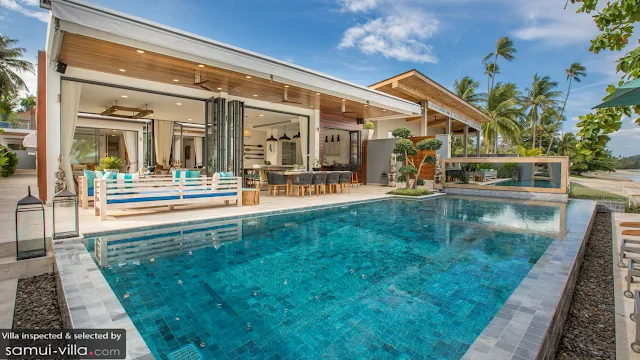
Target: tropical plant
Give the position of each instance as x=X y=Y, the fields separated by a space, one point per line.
x=466 y=90
x=11 y=64
x=405 y=149
x=27 y=103
x=503 y=111
x=575 y=72
x=8 y=162
x=567 y=144
x=505 y=50
x=523 y=152
x=541 y=95
x=368 y=125
x=110 y=163
x=489 y=70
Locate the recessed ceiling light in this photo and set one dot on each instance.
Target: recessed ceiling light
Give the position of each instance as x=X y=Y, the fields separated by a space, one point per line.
x=248 y=76
x=113 y=130
x=311 y=105
x=365 y=105
x=286 y=86
x=178 y=104
x=188 y=119
x=384 y=109
x=140 y=51
x=150 y=114
x=124 y=96
x=317 y=93
x=255 y=95
x=112 y=135
x=176 y=80
x=344 y=99
x=123 y=70
x=261 y=115
x=200 y=65
x=219 y=88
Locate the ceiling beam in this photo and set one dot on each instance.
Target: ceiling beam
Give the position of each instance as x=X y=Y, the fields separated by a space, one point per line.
x=408 y=90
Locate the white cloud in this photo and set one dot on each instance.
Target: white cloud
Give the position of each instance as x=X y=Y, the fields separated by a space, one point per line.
x=548 y=21
x=361 y=66
x=358 y=5
x=31 y=10
x=400 y=36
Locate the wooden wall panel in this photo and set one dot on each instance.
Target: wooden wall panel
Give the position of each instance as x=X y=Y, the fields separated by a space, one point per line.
x=428 y=171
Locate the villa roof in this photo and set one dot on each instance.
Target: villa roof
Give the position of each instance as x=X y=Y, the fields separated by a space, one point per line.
x=102 y=39
x=415 y=86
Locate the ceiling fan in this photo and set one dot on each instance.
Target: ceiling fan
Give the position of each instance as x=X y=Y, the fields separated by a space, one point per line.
x=285 y=98
x=201 y=83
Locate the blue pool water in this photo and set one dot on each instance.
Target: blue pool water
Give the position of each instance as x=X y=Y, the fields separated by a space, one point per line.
x=527 y=183
x=384 y=279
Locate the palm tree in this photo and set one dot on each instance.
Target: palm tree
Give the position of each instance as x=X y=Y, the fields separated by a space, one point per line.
x=10 y=65
x=489 y=69
x=503 y=110
x=575 y=72
x=540 y=96
x=505 y=50
x=567 y=144
x=466 y=90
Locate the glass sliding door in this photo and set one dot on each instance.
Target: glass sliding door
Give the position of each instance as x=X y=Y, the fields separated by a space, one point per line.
x=235 y=138
x=355 y=147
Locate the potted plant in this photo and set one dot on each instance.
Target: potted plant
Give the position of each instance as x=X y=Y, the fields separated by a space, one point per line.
x=368 y=129
x=316 y=164
x=110 y=163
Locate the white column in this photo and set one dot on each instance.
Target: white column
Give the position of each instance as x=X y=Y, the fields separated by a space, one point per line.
x=423 y=118
x=465 y=141
x=314 y=136
x=53 y=128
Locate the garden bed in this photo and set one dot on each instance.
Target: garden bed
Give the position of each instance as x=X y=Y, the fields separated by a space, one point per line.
x=589 y=331
x=37 y=304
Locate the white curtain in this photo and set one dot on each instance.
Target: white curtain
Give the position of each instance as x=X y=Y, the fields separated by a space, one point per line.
x=131 y=144
x=163 y=136
x=70 y=102
x=304 y=136
x=197 y=149
x=177 y=149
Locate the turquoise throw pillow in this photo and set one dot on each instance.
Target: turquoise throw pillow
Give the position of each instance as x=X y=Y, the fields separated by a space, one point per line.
x=193 y=174
x=91 y=177
x=109 y=175
x=228 y=174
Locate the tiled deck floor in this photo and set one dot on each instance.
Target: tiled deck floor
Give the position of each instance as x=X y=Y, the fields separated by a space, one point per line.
x=625 y=328
x=13 y=189
x=118 y=220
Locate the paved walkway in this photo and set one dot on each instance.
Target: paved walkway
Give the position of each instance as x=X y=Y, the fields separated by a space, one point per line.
x=625 y=328
x=13 y=189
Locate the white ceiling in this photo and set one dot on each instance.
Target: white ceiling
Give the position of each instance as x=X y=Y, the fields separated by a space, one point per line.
x=96 y=98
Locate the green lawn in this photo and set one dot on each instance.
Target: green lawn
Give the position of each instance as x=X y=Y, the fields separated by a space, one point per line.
x=582 y=192
x=410 y=192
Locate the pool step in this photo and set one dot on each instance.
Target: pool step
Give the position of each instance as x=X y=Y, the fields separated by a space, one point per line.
x=10 y=268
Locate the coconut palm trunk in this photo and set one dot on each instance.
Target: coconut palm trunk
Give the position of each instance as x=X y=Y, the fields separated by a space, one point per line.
x=553 y=136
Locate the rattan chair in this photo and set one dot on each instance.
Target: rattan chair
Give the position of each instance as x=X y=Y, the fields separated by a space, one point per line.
x=302 y=183
x=320 y=180
x=275 y=182
x=345 y=180
x=332 y=181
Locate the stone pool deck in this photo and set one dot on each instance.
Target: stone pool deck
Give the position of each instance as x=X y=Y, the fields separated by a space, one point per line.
x=625 y=328
x=529 y=325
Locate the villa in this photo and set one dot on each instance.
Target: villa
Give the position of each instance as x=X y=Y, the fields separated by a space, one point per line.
x=250 y=216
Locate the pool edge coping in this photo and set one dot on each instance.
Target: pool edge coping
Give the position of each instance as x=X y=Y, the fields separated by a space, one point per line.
x=529 y=324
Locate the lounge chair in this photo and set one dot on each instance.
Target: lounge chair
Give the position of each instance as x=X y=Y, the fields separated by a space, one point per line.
x=635 y=345
x=633 y=192
x=632 y=270
x=628 y=246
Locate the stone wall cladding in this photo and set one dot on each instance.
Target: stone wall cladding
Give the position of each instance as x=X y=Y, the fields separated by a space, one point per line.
x=608 y=206
x=519 y=195
x=529 y=325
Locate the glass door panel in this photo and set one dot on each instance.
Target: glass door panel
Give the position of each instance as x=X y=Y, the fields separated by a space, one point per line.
x=355 y=147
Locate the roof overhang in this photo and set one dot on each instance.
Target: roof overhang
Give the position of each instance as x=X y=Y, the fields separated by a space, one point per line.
x=101 y=24
x=416 y=87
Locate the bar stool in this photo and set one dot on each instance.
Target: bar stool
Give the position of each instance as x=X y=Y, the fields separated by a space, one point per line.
x=320 y=179
x=354 y=174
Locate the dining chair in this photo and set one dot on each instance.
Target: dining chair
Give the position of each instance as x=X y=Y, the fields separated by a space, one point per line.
x=332 y=181
x=344 y=180
x=320 y=180
x=275 y=182
x=302 y=183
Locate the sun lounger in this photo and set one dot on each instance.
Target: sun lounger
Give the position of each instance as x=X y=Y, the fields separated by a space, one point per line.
x=633 y=192
x=630 y=224
x=154 y=192
x=632 y=271
x=631 y=232
x=635 y=346
x=628 y=246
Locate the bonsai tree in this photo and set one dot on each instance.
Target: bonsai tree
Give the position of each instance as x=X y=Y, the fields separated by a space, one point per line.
x=407 y=153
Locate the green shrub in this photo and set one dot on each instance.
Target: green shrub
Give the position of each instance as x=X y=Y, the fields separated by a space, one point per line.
x=582 y=192
x=420 y=182
x=110 y=162
x=8 y=162
x=410 y=192
x=368 y=125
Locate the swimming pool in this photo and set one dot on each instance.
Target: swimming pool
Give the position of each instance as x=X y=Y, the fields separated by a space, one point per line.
x=527 y=183
x=381 y=279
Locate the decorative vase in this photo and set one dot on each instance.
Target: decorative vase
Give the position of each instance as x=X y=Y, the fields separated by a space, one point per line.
x=369 y=133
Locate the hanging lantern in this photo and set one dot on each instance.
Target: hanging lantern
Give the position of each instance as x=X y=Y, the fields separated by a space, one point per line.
x=272 y=139
x=284 y=136
x=65 y=215
x=297 y=136
x=31 y=240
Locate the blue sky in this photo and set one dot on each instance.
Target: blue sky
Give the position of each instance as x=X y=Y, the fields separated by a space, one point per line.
x=365 y=41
